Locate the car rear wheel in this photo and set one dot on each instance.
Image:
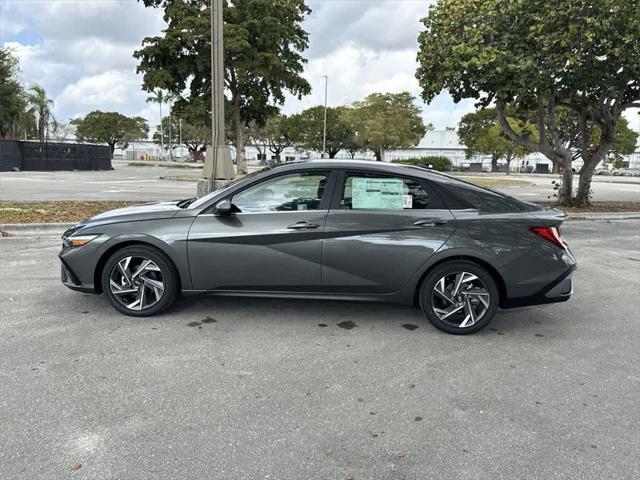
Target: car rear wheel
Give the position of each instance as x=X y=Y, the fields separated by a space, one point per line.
x=459 y=297
x=139 y=281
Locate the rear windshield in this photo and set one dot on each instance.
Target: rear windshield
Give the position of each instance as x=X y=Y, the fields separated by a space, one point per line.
x=481 y=198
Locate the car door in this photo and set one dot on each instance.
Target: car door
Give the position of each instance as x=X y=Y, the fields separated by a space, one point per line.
x=271 y=242
x=380 y=230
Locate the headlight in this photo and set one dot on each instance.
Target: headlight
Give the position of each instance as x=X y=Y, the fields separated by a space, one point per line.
x=78 y=240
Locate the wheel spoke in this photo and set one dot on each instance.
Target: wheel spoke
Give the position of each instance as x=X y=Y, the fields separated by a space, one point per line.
x=135 y=305
x=468 y=309
x=448 y=312
x=158 y=287
x=441 y=290
x=123 y=265
x=142 y=268
x=142 y=296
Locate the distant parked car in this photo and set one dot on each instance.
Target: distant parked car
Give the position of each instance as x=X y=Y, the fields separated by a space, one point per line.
x=630 y=172
x=335 y=230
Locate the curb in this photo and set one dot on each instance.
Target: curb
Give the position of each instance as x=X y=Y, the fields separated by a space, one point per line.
x=35 y=228
x=604 y=216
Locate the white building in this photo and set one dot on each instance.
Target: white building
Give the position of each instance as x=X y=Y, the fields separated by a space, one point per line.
x=435 y=143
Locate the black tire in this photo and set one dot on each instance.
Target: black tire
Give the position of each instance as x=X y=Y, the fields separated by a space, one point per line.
x=450 y=269
x=167 y=271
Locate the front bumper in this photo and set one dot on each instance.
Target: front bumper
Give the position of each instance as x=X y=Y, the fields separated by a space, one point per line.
x=71 y=280
x=560 y=290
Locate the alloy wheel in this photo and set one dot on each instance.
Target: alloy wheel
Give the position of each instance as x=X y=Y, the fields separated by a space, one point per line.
x=460 y=299
x=136 y=283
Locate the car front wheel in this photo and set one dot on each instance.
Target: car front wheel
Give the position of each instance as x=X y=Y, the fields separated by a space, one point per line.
x=459 y=297
x=139 y=281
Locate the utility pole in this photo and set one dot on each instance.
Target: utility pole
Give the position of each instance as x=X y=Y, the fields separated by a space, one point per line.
x=170 y=136
x=324 y=131
x=218 y=169
x=180 y=138
x=161 y=130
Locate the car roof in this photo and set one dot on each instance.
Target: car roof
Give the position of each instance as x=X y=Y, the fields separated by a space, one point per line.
x=386 y=167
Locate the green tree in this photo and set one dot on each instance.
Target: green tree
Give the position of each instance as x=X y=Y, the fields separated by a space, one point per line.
x=280 y=132
x=41 y=107
x=111 y=128
x=12 y=101
x=582 y=55
x=387 y=120
x=571 y=134
x=482 y=135
x=196 y=124
x=264 y=41
x=437 y=162
x=311 y=127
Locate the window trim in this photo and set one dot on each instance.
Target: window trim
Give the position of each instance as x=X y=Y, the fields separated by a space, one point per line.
x=343 y=174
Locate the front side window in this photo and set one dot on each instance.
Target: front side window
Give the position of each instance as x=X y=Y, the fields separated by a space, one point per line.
x=286 y=193
x=373 y=192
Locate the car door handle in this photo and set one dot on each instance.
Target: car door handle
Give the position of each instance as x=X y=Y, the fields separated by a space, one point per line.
x=429 y=222
x=304 y=225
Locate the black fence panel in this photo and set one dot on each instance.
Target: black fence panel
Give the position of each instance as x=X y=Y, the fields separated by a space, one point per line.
x=53 y=156
x=10 y=156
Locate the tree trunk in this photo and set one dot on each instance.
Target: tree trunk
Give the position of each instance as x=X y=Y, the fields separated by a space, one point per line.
x=494 y=163
x=508 y=165
x=112 y=147
x=583 y=195
x=565 y=193
x=379 y=153
x=241 y=159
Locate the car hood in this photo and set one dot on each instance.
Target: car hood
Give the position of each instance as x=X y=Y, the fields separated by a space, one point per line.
x=147 y=211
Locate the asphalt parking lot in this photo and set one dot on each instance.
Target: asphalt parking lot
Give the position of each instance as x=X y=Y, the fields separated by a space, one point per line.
x=230 y=388
x=145 y=184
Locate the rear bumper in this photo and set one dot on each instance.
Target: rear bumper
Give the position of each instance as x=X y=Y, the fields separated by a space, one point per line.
x=560 y=290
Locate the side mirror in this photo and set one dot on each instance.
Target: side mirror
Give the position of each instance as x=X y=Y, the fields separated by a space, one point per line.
x=224 y=207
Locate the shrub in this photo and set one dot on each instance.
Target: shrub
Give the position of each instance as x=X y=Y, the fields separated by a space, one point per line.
x=441 y=164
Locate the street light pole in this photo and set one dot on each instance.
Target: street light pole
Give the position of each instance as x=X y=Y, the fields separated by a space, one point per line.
x=324 y=131
x=180 y=138
x=218 y=167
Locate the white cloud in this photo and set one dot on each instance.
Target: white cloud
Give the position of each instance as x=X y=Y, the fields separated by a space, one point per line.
x=81 y=52
x=105 y=91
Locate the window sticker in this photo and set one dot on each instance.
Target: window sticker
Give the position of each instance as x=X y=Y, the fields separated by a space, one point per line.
x=407 y=201
x=377 y=193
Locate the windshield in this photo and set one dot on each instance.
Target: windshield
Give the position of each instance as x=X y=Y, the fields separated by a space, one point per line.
x=206 y=198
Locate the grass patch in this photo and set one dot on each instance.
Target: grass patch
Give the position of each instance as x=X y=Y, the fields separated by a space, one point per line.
x=166 y=165
x=54 y=212
x=495 y=182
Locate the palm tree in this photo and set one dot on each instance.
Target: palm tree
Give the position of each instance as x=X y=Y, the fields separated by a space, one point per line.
x=41 y=108
x=160 y=97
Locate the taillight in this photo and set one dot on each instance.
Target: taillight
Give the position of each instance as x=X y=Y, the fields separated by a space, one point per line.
x=551 y=234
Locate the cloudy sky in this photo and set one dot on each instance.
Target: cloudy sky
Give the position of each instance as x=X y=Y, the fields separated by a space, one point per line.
x=81 y=52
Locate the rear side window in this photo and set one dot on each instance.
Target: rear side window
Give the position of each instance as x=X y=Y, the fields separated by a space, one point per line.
x=480 y=198
x=364 y=191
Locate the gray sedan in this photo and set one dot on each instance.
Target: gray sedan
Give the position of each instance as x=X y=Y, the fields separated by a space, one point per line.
x=345 y=230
